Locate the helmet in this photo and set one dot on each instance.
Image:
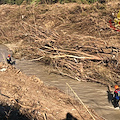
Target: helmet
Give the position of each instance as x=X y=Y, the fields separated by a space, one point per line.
x=9 y=55
x=116 y=87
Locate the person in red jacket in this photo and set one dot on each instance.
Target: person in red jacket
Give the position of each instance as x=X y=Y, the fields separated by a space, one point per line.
x=116 y=96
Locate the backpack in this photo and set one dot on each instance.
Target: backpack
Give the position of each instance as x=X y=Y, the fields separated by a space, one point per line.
x=118 y=91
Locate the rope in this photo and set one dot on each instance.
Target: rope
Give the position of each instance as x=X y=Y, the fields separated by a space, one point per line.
x=80 y=101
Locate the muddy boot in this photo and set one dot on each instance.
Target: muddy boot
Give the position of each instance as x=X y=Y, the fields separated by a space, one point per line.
x=116 y=103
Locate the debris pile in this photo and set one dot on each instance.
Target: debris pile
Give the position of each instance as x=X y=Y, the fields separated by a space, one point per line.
x=75 y=39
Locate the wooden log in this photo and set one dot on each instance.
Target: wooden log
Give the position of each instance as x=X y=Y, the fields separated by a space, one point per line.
x=84 y=58
x=92 y=57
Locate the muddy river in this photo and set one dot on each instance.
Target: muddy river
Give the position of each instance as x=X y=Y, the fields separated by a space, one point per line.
x=93 y=95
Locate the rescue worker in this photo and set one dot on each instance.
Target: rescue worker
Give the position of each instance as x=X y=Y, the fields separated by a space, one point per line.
x=9 y=59
x=116 y=96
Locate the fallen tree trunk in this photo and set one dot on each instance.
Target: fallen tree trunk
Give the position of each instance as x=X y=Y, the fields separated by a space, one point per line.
x=78 y=52
x=84 y=58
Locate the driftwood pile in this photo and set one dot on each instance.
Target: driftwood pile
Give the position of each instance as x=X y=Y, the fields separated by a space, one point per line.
x=83 y=58
x=78 y=63
x=79 y=56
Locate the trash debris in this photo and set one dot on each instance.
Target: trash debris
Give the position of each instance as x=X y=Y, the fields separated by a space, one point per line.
x=3 y=69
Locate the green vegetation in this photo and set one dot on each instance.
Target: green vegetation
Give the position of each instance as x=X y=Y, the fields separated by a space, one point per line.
x=11 y=1
x=45 y=1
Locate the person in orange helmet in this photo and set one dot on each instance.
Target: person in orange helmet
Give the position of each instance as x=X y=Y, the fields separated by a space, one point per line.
x=9 y=59
x=116 y=96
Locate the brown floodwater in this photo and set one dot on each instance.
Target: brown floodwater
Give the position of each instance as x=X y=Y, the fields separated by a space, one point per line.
x=92 y=94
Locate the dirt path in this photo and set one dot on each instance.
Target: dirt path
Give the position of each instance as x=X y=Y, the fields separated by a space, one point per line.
x=94 y=95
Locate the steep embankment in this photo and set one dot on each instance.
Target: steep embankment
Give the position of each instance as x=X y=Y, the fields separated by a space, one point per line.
x=75 y=39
